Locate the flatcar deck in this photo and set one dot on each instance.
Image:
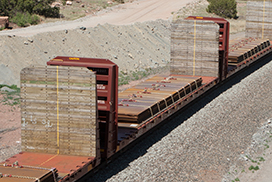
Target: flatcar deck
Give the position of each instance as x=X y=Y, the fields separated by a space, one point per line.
x=142 y=101
x=43 y=165
x=242 y=49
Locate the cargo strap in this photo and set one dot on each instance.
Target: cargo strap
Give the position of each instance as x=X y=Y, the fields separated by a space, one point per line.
x=172 y=99
x=196 y=84
x=158 y=106
x=54 y=174
x=190 y=87
x=194 y=48
x=263 y=19
x=179 y=94
x=165 y=102
x=151 y=111
x=58 y=133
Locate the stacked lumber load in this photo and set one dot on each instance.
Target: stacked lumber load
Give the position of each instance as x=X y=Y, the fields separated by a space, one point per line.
x=145 y=100
x=58 y=106
x=258 y=19
x=194 y=48
x=241 y=49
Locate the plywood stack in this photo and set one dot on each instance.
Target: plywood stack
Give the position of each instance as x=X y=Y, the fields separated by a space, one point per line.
x=59 y=114
x=194 y=48
x=258 y=19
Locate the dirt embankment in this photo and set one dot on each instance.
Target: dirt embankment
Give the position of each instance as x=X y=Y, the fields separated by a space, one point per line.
x=132 y=47
x=135 y=46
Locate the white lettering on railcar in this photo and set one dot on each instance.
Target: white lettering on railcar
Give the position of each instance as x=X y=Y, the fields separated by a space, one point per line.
x=24 y=123
x=47 y=124
x=101 y=102
x=33 y=122
x=101 y=87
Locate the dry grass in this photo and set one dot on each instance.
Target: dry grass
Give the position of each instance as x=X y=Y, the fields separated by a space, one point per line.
x=81 y=8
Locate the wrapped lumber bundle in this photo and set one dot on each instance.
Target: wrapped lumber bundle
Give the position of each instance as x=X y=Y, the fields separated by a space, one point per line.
x=258 y=19
x=194 y=48
x=58 y=106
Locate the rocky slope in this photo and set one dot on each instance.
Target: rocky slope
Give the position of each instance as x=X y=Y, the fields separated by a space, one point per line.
x=132 y=47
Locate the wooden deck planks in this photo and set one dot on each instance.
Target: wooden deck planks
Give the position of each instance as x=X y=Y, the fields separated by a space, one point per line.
x=59 y=114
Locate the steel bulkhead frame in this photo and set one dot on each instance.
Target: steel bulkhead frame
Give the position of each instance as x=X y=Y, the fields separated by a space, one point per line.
x=110 y=104
x=223 y=43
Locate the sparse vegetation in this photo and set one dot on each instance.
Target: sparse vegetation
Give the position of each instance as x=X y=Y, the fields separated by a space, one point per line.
x=25 y=12
x=223 y=8
x=41 y=7
x=125 y=78
x=251 y=159
x=254 y=168
x=11 y=98
x=84 y=7
x=25 y=19
x=120 y=1
x=135 y=75
x=261 y=159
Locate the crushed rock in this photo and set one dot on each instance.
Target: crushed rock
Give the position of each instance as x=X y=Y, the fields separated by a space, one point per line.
x=206 y=145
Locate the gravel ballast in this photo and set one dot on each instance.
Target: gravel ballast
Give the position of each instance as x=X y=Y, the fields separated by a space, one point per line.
x=204 y=146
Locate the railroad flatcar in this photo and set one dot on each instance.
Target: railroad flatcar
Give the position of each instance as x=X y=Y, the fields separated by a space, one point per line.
x=73 y=117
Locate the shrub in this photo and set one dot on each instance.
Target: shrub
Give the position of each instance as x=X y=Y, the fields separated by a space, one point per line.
x=223 y=8
x=25 y=19
x=46 y=10
x=254 y=168
x=120 y=1
x=11 y=98
x=41 y=7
